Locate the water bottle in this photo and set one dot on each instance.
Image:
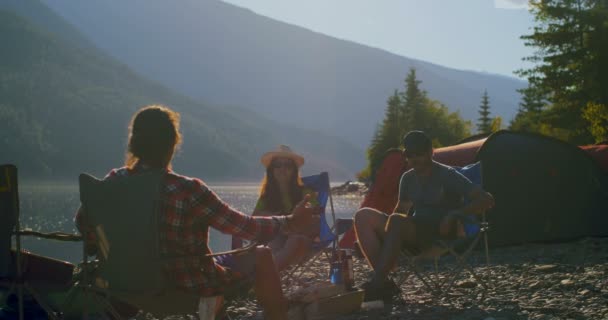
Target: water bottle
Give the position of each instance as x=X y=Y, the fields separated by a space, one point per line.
x=336 y=274
x=347 y=269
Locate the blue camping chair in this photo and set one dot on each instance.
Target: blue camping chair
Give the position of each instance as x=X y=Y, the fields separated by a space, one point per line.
x=460 y=249
x=327 y=235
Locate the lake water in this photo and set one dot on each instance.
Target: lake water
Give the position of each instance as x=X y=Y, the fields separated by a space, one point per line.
x=51 y=207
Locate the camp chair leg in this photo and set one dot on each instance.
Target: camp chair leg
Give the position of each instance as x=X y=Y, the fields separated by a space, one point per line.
x=49 y=311
x=461 y=259
x=107 y=305
x=485 y=239
x=428 y=282
x=20 y=301
x=301 y=266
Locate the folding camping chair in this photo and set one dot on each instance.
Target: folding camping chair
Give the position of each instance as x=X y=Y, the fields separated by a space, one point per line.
x=460 y=249
x=22 y=272
x=327 y=235
x=124 y=216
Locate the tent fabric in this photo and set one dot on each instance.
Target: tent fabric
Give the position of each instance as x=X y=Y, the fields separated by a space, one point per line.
x=545 y=189
x=459 y=155
x=599 y=153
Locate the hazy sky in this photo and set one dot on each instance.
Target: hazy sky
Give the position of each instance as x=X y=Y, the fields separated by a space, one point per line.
x=480 y=35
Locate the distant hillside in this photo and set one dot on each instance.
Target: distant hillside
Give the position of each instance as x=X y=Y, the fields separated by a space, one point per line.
x=65 y=106
x=227 y=55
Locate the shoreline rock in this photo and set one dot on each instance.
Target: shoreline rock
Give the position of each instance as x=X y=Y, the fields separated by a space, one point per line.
x=350 y=188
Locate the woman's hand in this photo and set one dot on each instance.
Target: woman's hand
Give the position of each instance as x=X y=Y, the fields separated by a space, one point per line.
x=303 y=216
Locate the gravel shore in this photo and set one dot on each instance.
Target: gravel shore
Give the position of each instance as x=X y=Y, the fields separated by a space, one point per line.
x=533 y=281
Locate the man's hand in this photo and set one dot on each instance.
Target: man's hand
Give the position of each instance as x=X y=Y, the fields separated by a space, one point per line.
x=302 y=216
x=450 y=226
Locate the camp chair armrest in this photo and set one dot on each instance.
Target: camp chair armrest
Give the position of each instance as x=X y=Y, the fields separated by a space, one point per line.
x=249 y=247
x=51 y=235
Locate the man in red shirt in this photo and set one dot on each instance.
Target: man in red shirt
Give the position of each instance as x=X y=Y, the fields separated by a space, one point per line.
x=189 y=208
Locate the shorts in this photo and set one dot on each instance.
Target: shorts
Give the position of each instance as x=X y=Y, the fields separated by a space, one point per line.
x=427 y=229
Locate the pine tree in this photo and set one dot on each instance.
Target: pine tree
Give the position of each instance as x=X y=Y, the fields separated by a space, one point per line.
x=529 y=113
x=413 y=102
x=571 y=59
x=484 y=122
x=387 y=135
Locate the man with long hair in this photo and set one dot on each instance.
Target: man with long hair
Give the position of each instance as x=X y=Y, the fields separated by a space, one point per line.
x=189 y=208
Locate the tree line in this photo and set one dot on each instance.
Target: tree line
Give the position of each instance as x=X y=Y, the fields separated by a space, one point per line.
x=567 y=93
x=566 y=96
x=413 y=109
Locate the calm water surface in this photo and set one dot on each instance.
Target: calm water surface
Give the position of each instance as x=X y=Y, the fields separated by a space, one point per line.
x=51 y=207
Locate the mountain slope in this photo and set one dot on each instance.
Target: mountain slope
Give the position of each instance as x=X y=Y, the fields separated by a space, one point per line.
x=66 y=109
x=227 y=55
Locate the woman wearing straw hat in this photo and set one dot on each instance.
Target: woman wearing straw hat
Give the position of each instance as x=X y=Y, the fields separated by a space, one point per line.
x=281 y=189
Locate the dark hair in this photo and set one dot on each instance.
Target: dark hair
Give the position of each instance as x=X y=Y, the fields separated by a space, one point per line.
x=417 y=141
x=153 y=136
x=271 y=195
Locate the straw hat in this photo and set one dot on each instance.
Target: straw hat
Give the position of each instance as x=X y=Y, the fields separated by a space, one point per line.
x=282 y=151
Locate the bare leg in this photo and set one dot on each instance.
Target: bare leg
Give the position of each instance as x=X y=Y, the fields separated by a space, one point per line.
x=268 y=285
x=370 y=228
x=399 y=230
x=293 y=251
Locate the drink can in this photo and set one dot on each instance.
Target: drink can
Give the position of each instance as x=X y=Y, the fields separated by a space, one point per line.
x=336 y=274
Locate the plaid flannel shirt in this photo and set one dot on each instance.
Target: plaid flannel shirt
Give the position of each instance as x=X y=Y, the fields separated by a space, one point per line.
x=188 y=209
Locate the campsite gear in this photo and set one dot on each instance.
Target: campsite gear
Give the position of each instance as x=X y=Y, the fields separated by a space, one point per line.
x=546 y=189
x=23 y=274
x=319 y=183
x=348 y=273
x=130 y=268
x=341 y=268
x=336 y=272
x=282 y=151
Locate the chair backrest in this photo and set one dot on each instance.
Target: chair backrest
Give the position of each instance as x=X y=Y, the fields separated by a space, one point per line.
x=9 y=213
x=473 y=173
x=124 y=214
x=320 y=184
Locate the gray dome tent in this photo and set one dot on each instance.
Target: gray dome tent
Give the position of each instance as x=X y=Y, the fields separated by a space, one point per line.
x=545 y=189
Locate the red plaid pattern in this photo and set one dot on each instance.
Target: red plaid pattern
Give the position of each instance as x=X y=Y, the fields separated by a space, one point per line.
x=188 y=209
